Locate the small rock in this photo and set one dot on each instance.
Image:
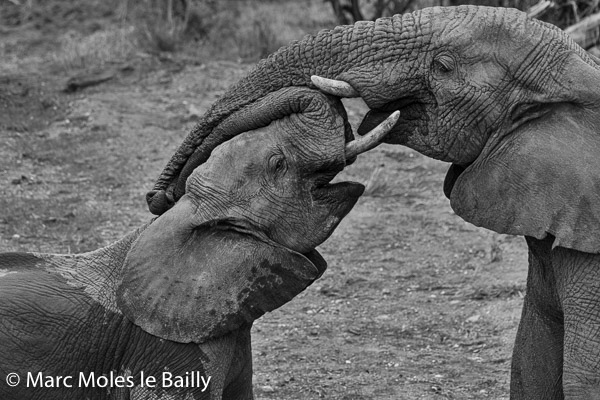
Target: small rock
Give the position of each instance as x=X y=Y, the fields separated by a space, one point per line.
x=267 y=389
x=193 y=112
x=16 y=237
x=474 y=318
x=19 y=180
x=354 y=331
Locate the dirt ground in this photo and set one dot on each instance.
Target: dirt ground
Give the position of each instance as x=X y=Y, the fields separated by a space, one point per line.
x=415 y=304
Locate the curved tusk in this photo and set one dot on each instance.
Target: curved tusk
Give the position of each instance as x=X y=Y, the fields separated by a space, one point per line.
x=373 y=138
x=334 y=87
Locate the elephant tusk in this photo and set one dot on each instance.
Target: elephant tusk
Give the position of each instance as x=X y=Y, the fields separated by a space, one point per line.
x=334 y=87
x=373 y=138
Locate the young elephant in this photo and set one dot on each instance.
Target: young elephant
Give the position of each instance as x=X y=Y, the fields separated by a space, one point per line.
x=166 y=312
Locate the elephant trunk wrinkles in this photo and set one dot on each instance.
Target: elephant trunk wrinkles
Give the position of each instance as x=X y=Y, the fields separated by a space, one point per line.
x=328 y=54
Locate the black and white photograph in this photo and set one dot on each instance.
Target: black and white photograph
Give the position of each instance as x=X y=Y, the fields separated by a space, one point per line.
x=299 y=199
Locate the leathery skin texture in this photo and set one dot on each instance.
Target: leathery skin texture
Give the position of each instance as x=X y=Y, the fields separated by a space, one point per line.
x=59 y=318
x=557 y=349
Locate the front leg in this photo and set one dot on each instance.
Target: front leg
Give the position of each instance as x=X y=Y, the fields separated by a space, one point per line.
x=579 y=290
x=229 y=364
x=218 y=362
x=536 y=371
x=239 y=379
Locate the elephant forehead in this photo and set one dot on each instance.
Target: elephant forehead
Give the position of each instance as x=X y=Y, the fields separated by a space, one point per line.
x=484 y=26
x=469 y=17
x=321 y=135
x=248 y=145
x=308 y=138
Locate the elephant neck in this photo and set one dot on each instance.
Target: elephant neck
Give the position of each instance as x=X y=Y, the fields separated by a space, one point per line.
x=97 y=272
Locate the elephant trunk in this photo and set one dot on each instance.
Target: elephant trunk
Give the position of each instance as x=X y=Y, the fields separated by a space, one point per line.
x=330 y=54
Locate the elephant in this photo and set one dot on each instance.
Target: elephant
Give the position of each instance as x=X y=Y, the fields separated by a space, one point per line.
x=525 y=154
x=512 y=104
x=166 y=312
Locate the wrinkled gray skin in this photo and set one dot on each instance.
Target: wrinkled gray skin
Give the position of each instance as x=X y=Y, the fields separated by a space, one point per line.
x=521 y=107
x=513 y=104
x=180 y=294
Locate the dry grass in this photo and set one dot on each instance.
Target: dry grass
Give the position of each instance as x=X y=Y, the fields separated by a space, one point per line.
x=239 y=31
x=252 y=30
x=105 y=46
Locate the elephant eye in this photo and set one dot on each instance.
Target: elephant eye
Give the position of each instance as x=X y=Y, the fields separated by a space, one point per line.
x=277 y=164
x=443 y=64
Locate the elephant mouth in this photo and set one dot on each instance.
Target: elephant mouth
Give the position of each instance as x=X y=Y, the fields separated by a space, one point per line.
x=341 y=196
x=452 y=176
x=415 y=110
x=412 y=113
x=337 y=199
x=339 y=192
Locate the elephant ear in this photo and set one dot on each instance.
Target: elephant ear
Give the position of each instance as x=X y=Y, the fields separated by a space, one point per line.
x=541 y=179
x=189 y=283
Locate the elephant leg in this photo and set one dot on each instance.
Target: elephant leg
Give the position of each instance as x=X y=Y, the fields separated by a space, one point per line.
x=536 y=371
x=241 y=389
x=219 y=355
x=579 y=289
x=239 y=385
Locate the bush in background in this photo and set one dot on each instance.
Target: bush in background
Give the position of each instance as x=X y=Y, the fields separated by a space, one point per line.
x=105 y=31
x=249 y=30
x=101 y=47
x=562 y=13
x=164 y=25
x=233 y=29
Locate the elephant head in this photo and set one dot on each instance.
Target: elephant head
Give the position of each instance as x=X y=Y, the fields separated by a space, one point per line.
x=512 y=102
x=242 y=240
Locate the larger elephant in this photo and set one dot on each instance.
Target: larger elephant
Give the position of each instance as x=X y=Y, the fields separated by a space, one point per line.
x=166 y=312
x=513 y=104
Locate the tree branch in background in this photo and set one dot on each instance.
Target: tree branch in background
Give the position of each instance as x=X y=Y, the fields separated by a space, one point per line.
x=350 y=11
x=580 y=18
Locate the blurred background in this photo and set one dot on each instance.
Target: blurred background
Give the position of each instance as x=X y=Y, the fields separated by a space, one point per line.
x=95 y=31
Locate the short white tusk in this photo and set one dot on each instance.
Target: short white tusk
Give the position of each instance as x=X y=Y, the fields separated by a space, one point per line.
x=334 y=87
x=373 y=138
